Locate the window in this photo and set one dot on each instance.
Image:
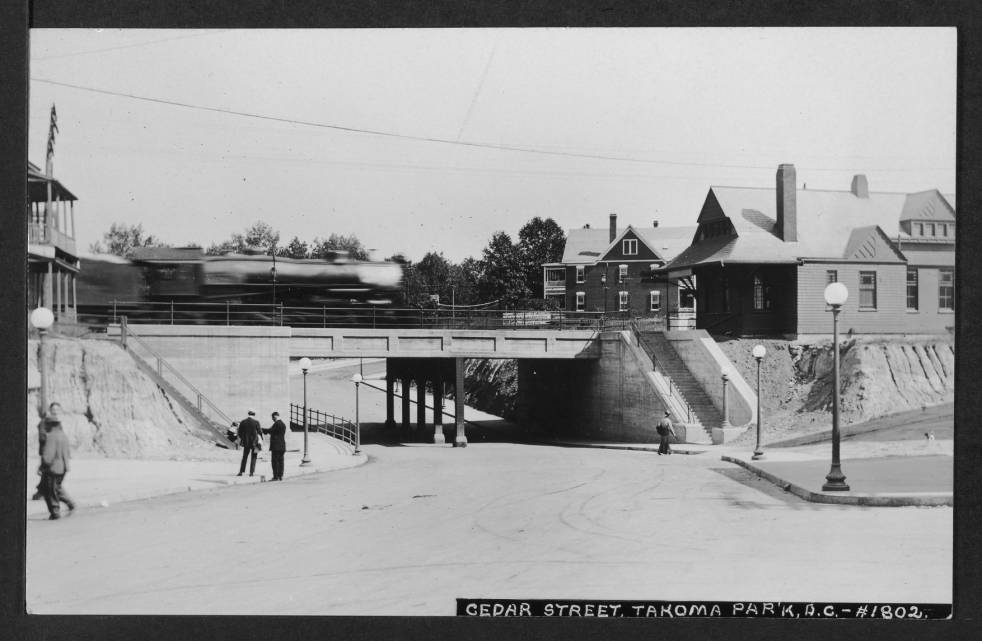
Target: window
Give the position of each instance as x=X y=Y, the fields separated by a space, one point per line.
x=762 y=295
x=831 y=276
x=687 y=300
x=556 y=275
x=912 y=289
x=621 y=273
x=655 y=297
x=580 y=301
x=946 y=289
x=930 y=229
x=580 y=277
x=630 y=246
x=867 y=290
x=944 y=230
x=918 y=229
x=622 y=300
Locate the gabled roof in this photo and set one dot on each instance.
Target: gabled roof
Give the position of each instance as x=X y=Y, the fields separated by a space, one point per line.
x=586 y=246
x=928 y=205
x=825 y=220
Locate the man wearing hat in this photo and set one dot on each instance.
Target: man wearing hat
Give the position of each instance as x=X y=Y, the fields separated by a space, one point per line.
x=250 y=440
x=664 y=429
x=54 y=465
x=277 y=445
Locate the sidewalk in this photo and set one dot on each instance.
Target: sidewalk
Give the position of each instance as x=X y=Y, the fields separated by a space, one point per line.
x=96 y=483
x=880 y=473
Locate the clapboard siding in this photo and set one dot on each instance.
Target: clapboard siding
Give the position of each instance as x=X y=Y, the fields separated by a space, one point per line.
x=891 y=315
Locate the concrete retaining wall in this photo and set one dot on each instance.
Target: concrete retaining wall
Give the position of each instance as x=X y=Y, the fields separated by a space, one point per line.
x=236 y=367
x=607 y=399
x=707 y=362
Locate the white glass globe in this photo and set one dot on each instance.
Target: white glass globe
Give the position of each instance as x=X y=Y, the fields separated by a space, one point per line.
x=42 y=318
x=836 y=294
x=305 y=363
x=356 y=378
x=759 y=351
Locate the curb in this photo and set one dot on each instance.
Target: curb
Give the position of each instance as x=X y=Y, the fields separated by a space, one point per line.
x=605 y=446
x=926 y=499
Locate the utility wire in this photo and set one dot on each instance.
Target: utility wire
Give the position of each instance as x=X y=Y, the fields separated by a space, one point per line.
x=129 y=46
x=445 y=141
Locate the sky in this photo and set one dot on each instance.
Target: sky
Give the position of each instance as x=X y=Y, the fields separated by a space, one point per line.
x=419 y=140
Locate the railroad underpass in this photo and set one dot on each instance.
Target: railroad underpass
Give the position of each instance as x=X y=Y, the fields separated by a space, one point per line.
x=571 y=382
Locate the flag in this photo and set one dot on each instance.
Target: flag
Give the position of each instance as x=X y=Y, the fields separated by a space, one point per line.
x=51 y=131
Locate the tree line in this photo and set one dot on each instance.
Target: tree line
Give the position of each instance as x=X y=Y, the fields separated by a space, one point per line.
x=508 y=273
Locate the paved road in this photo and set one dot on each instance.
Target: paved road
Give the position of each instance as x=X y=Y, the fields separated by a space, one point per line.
x=420 y=525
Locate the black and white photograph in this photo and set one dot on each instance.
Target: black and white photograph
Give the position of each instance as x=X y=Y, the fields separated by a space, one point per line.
x=491 y=322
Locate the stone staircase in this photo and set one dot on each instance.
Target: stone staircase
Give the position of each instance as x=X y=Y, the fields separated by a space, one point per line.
x=668 y=361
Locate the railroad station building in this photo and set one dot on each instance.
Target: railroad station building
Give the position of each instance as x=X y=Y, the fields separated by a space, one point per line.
x=52 y=260
x=616 y=270
x=763 y=257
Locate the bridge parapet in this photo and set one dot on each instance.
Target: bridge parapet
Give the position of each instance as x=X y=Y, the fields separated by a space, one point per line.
x=443 y=343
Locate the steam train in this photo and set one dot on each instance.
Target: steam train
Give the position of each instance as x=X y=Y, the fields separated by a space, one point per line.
x=200 y=286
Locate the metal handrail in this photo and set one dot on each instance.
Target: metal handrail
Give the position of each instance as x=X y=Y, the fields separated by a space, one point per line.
x=376 y=316
x=673 y=392
x=126 y=334
x=340 y=427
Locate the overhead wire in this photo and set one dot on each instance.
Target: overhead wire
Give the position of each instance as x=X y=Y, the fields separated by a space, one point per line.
x=432 y=139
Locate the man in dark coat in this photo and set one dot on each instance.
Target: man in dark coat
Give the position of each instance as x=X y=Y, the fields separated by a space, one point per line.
x=665 y=430
x=54 y=466
x=250 y=438
x=277 y=445
x=52 y=417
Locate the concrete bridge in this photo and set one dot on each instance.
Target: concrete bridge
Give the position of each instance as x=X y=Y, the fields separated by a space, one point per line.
x=581 y=382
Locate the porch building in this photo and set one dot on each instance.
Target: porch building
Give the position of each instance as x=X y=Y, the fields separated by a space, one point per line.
x=52 y=260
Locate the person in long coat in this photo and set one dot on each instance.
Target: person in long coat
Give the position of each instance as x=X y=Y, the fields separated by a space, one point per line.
x=250 y=438
x=54 y=467
x=277 y=445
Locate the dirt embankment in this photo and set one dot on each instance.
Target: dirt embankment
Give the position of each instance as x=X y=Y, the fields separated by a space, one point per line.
x=491 y=385
x=877 y=377
x=109 y=406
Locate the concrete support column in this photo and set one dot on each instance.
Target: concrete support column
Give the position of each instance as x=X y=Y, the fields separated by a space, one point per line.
x=420 y=400
x=405 y=402
x=390 y=384
x=461 y=438
x=438 y=436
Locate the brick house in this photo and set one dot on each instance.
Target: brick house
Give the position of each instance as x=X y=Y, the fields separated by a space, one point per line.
x=610 y=270
x=762 y=258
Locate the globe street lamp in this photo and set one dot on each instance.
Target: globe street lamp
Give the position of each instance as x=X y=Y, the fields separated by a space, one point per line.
x=304 y=366
x=836 y=295
x=42 y=319
x=357 y=379
x=758 y=353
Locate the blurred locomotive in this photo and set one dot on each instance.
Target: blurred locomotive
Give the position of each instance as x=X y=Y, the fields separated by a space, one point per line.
x=186 y=277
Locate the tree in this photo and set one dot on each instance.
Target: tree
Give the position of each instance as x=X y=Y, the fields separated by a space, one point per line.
x=502 y=273
x=338 y=242
x=260 y=236
x=122 y=239
x=296 y=249
x=539 y=242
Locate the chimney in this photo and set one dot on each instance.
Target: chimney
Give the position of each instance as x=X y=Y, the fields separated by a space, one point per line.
x=655 y=223
x=787 y=215
x=613 y=227
x=860 y=188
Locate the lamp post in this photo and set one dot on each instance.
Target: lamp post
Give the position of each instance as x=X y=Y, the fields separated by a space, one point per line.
x=42 y=319
x=357 y=379
x=726 y=406
x=758 y=353
x=835 y=295
x=304 y=366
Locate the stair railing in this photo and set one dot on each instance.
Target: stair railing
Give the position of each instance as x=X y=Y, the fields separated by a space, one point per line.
x=128 y=339
x=673 y=391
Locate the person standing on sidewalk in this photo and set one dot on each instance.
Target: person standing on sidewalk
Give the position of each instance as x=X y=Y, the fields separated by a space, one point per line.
x=277 y=445
x=52 y=415
x=665 y=430
x=54 y=466
x=249 y=439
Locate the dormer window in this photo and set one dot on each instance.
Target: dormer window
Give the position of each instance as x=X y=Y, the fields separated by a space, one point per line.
x=930 y=229
x=918 y=229
x=629 y=247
